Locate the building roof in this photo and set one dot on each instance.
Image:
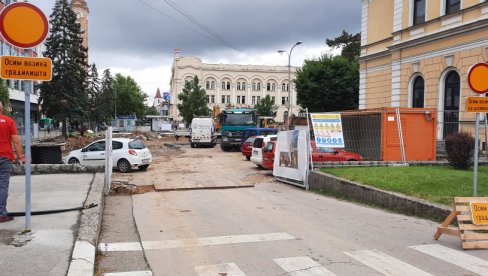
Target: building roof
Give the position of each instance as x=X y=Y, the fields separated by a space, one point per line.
x=158 y=94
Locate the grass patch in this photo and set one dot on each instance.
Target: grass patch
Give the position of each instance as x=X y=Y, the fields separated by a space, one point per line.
x=439 y=184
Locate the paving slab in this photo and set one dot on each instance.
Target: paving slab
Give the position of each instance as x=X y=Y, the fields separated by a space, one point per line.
x=46 y=250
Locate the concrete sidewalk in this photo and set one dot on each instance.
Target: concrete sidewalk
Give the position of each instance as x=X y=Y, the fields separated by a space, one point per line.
x=47 y=249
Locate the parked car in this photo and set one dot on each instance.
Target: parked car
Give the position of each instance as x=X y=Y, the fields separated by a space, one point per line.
x=257 y=148
x=126 y=153
x=333 y=154
x=318 y=155
x=246 y=147
x=268 y=155
x=256 y=131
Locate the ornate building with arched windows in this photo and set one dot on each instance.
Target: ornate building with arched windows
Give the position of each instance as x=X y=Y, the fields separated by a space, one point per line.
x=416 y=53
x=234 y=85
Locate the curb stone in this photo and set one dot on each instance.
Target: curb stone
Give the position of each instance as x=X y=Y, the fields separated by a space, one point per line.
x=397 y=202
x=84 y=251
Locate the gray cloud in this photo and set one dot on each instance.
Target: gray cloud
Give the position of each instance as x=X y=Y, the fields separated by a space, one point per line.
x=138 y=32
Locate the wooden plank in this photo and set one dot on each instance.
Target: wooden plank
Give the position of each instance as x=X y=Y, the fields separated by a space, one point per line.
x=472 y=227
x=445 y=224
x=448 y=231
x=470 y=199
x=463 y=208
x=474 y=236
x=464 y=217
x=475 y=245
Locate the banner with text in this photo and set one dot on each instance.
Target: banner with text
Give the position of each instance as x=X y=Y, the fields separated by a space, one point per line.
x=327 y=129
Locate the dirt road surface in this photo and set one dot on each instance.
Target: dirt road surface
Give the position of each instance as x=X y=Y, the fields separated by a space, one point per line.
x=176 y=166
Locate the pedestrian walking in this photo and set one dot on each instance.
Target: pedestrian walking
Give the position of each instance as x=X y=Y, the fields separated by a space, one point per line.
x=8 y=137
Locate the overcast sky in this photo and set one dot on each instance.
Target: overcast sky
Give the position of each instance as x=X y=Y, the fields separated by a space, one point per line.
x=137 y=38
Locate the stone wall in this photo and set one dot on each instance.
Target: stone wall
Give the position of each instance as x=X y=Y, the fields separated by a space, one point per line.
x=57 y=168
x=396 y=202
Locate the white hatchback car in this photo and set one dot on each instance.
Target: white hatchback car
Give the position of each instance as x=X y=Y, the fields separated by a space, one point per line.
x=257 y=148
x=126 y=153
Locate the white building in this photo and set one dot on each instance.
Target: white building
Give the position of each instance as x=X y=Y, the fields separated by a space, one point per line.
x=234 y=85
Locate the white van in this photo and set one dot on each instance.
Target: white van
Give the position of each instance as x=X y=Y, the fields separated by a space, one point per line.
x=257 y=148
x=202 y=132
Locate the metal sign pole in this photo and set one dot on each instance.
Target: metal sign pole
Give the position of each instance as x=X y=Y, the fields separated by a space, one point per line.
x=476 y=152
x=27 y=138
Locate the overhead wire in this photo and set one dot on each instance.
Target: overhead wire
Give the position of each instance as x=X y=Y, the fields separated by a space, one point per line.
x=207 y=31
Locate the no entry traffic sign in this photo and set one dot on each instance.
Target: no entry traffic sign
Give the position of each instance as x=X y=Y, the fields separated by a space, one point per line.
x=478 y=78
x=23 y=25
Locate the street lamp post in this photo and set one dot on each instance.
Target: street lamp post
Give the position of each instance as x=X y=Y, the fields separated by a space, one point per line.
x=289 y=80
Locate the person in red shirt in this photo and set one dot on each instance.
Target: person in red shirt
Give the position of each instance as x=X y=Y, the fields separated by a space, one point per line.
x=8 y=137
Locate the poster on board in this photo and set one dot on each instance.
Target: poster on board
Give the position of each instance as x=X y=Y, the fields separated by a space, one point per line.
x=291 y=158
x=327 y=129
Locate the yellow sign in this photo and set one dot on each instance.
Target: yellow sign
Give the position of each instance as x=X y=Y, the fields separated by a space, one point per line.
x=477 y=104
x=478 y=78
x=26 y=68
x=479 y=211
x=23 y=25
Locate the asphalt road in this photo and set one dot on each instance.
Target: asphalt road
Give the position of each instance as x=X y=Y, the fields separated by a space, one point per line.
x=270 y=229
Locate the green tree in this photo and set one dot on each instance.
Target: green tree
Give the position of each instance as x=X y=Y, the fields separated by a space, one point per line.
x=151 y=110
x=129 y=96
x=94 y=95
x=193 y=101
x=65 y=96
x=107 y=97
x=350 y=44
x=328 y=84
x=4 y=97
x=266 y=107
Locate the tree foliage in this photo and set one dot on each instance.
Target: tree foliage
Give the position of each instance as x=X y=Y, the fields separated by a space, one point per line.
x=350 y=44
x=4 y=97
x=266 y=107
x=328 y=84
x=128 y=96
x=65 y=96
x=106 y=100
x=151 y=110
x=193 y=101
x=94 y=93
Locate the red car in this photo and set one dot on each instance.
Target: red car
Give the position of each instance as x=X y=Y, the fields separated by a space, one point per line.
x=333 y=154
x=268 y=155
x=247 y=147
x=318 y=155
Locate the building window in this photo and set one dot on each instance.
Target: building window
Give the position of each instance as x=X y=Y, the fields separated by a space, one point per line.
x=418 y=12
x=273 y=99
x=253 y=99
x=207 y=85
x=223 y=99
x=226 y=85
x=418 y=92
x=208 y=99
x=212 y=98
x=16 y=84
x=238 y=99
x=284 y=100
x=210 y=85
x=453 y=6
x=258 y=99
x=284 y=86
x=271 y=86
x=243 y=99
x=451 y=103
x=241 y=85
x=228 y=99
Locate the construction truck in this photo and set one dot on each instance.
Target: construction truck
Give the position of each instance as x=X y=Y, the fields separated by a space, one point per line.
x=233 y=123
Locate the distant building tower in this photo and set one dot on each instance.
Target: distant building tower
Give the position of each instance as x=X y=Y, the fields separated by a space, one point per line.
x=80 y=8
x=157 y=101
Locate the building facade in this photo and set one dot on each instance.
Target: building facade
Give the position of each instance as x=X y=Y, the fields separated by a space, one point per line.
x=80 y=7
x=234 y=85
x=416 y=53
